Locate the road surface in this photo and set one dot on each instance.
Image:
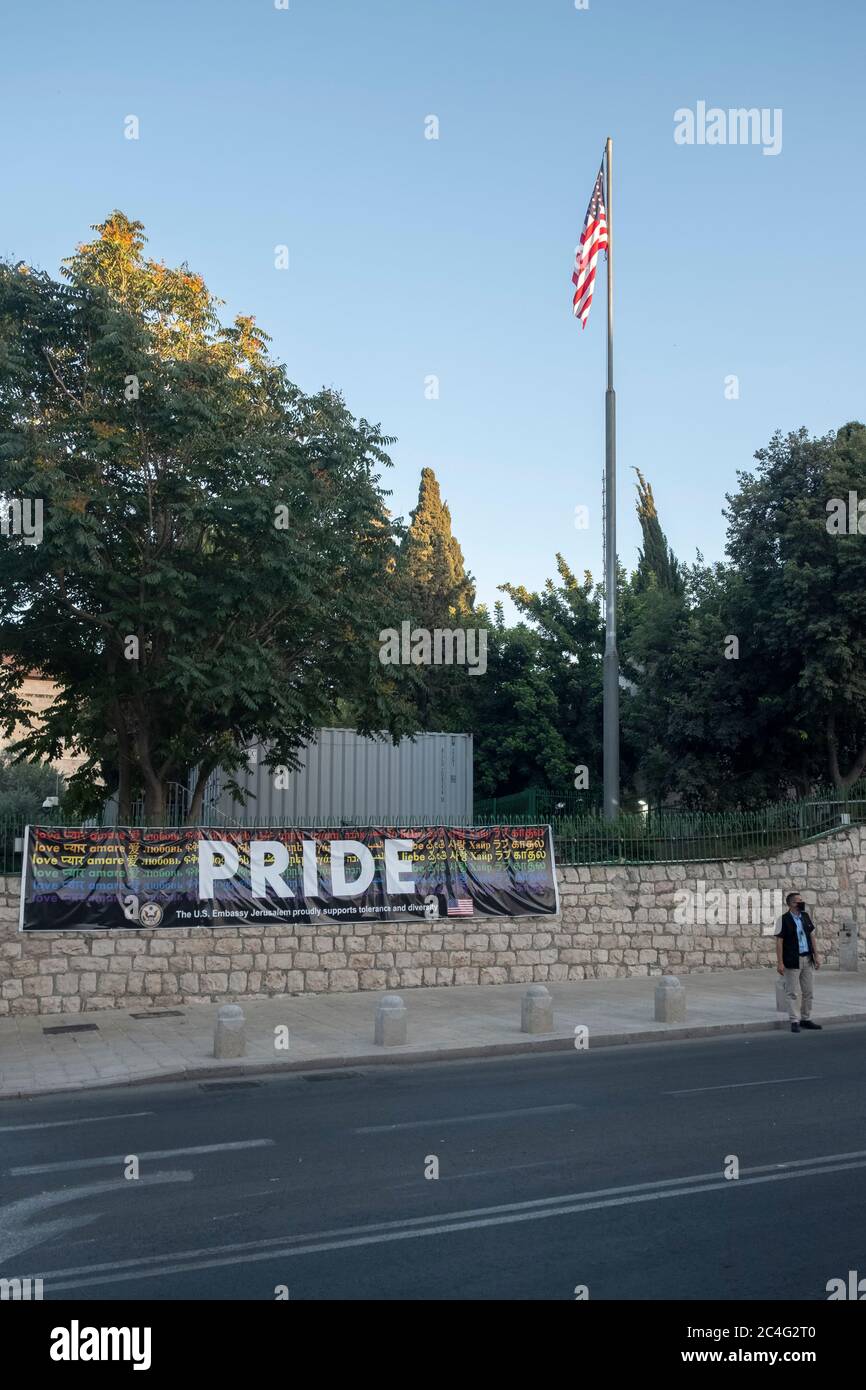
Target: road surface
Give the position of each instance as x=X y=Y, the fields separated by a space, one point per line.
x=602 y=1170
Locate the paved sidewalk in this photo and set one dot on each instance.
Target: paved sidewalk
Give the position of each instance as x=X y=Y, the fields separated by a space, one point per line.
x=337 y=1029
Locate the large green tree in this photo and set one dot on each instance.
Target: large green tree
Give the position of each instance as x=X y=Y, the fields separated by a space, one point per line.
x=215 y=542
x=751 y=683
x=799 y=607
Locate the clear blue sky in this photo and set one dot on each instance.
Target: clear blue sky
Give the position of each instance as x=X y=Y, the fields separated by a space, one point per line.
x=411 y=257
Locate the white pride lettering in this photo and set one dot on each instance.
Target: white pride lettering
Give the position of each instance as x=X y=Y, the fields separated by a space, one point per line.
x=219 y=861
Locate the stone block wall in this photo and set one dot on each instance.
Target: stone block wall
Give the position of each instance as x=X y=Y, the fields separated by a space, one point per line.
x=613 y=922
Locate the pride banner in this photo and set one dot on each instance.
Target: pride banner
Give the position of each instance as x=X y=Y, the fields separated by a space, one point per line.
x=193 y=877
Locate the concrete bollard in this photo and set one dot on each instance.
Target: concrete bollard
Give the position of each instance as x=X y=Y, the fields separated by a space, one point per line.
x=670 y=1000
x=781 y=1001
x=229 y=1039
x=391 y=1022
x=849 y=958
x=536 y=1010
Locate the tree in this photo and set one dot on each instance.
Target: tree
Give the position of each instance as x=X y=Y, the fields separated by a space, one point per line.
x=657 y=564
x=25 y=786
x=515 y=716
x=653 y=615
x=801 y=604
x=431 y=590
x=752 y=684
x=430 y=562
x=215 y=542
x=568 y=622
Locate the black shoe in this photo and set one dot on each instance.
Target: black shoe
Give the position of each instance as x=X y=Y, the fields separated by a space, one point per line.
x=795 y=1027
x=807 y=1023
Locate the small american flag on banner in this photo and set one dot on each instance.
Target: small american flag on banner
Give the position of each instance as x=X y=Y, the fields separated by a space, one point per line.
x=460 y=907
x=592 y=240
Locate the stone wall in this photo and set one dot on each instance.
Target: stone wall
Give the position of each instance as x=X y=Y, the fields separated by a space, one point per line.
x=614 y=922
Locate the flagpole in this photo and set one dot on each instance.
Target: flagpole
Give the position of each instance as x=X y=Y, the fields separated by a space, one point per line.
x=611 y=659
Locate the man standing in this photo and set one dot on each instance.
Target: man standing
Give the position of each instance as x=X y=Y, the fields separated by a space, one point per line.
x=796 y=957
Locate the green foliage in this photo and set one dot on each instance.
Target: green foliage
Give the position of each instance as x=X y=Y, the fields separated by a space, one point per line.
x=545 y=720
x=721 y=726
x=218 y=563
x=657 y=565
x=24 y=787
x=704 y=723
x=216 y=543
x=430 y=568
x=800 y=599
x=431 y=589
x=515 y=715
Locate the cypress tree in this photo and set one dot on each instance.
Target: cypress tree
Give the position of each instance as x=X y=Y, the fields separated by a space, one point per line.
x=436 y=585
x=657 y=563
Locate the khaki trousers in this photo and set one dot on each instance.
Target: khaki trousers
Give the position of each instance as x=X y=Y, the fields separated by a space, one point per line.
x=803 y=976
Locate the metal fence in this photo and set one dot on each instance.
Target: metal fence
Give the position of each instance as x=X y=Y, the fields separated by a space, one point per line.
x=11 y=834
x=658 y=837
x=664 y=837
x=540 y=804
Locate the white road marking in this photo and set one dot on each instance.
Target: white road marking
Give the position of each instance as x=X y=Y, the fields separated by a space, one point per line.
x=446 y=1223
x=16 y=1236
x=490 y=1172
x=108 y=1160
x=90 y=1120
x=464 y=1119
x=739 y=1085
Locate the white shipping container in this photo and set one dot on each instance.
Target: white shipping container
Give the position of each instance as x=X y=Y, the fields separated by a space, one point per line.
x=346 y=778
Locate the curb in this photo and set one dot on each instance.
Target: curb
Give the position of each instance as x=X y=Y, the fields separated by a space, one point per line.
x=400 y=1056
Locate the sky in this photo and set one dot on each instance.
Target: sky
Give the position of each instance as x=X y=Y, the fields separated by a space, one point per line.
x=411 y=257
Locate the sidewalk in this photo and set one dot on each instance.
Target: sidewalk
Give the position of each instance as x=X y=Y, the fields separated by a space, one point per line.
x=336 y=1030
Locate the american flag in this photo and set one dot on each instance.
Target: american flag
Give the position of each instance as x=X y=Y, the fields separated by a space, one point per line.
x=460 y=907
x=593 y=239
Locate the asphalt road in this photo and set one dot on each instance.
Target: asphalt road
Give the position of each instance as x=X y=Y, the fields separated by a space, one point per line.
x=603 y=1169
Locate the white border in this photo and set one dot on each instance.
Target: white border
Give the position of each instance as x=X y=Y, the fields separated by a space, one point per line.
x=553 y=866
x=24 y=860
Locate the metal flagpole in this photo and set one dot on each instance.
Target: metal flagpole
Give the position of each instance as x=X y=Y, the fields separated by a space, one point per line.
x=611 y=659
